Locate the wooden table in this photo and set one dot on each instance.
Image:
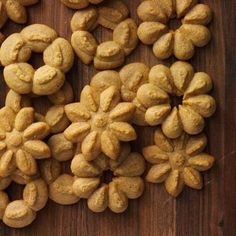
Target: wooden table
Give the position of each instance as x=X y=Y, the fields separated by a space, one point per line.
x=209 y=212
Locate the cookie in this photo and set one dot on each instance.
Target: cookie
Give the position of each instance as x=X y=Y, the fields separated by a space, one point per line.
x=16 y=50
x=100 y=122
x=155 y=103
x=21 y=141
x=107 y=55
x=180 y=42
x=126 y=183
x=20 y=213
x=177 y=162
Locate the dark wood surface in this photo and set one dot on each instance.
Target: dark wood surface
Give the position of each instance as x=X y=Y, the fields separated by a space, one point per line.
x=209 y=212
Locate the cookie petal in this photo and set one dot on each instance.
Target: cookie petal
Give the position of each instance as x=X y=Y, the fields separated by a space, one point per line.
x=201 y=162
x=83 y=168
x=200 y=14
x=38 y=149
x=123 y=131
x=110 y=145
x=160 y=76
x=87 y=98
x=193 y=123
x=198 y=34
x=196 y=144
x=182 y=73
x=38 y=130
x=174 y=183
x=150 y=11
x=84 y=187
x=204 y=104
x=162 y=141
x=76 y=132
x=133 y=165
x=150 y=32
x=158 y=173
x=109 y=98
x=118 y=202
x=98 y=201
x=156 y=115
x=122 y=112
x=132 y=187
x=7 y=118
x=172 y=126
x=77 y=112
x=91 y=146
x=155 y=155
x=200 y=84
x=150 y=95
x=163 y=47
x=192 y=178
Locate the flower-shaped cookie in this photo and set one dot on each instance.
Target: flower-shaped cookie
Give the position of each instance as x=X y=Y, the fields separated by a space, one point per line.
x=179 y=80
x=180 y=42
x=21 y=141
x=127 y=183
x=100 y=122
x=109 y=54
x=16 y=50
x=177 y=162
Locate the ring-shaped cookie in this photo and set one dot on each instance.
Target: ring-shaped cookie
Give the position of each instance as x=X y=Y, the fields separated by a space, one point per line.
x=20 y=213
x=193 y=32
x=153 y=99
x=16 y=50
x=109 y=54
x=88 y=181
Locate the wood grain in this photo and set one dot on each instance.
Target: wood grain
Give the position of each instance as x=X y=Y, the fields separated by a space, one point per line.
x=209 y=212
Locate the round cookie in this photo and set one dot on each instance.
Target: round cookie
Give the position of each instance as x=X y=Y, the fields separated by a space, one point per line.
x=16 y=50
x=179 y=42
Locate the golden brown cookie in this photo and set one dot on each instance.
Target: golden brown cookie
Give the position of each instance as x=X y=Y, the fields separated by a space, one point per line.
x=88 y=181
x=16 y=50
x=111 y=54
x=21 y=141
x=177 y=162
x=126 y=184
x=20 y=213
x=155 y=108
x=180 y=42
x=100 y=122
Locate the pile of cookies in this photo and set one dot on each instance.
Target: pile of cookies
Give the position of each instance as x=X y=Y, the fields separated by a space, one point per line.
x=71 y=150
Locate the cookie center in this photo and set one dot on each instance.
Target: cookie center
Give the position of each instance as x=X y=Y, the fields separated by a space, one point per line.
x=100 y=120
x=174 y=24
x=177 y=160
x=13 y=139
x=176 y=101
x=107 y=176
